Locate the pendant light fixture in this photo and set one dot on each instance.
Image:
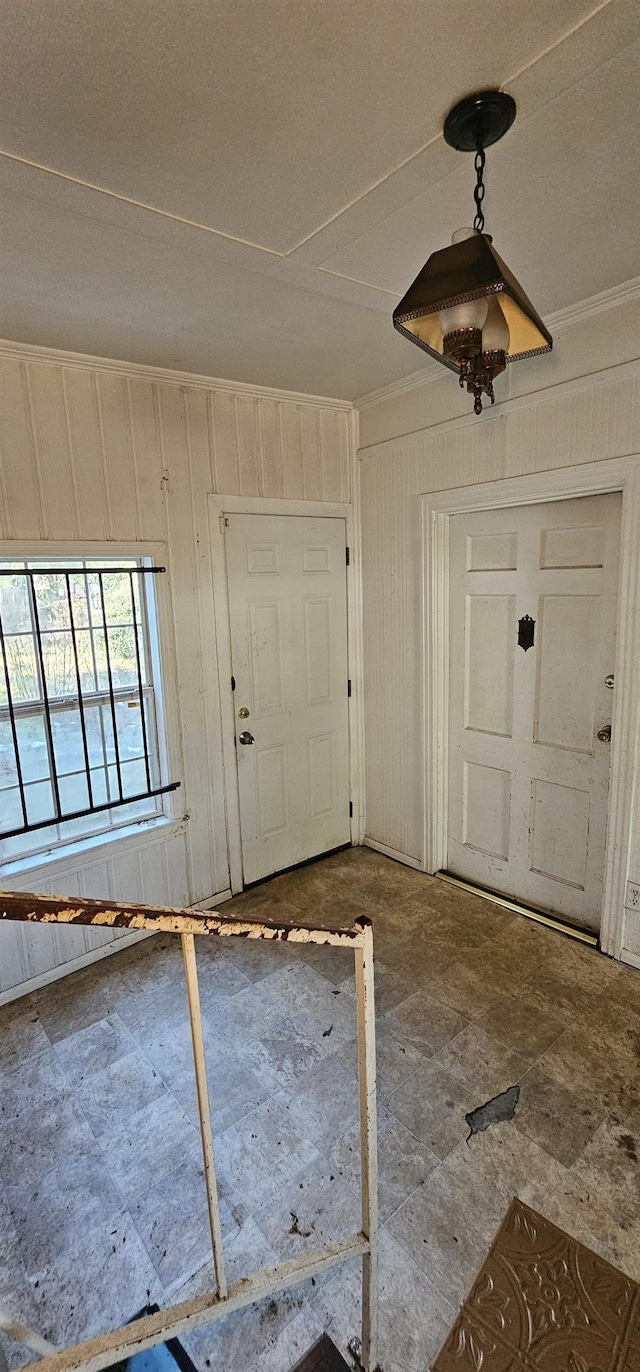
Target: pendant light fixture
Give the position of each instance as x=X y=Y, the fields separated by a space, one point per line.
x=465 y=308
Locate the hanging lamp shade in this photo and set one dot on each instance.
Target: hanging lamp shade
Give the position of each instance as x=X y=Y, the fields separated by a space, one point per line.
x=470 y=270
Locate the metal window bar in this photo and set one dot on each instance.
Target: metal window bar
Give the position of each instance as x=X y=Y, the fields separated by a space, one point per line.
x=47 y=704
x=92 y=1355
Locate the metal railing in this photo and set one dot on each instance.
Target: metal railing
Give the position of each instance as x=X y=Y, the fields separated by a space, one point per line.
x=122 y=1343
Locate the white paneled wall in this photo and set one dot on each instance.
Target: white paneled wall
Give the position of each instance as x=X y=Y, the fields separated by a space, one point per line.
x=107 y=454
x=577 y=420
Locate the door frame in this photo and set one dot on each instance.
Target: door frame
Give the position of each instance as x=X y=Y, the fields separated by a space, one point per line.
x=595 y=478
x=219 y=507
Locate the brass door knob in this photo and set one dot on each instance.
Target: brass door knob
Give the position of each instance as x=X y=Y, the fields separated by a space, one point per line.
x=243 y=712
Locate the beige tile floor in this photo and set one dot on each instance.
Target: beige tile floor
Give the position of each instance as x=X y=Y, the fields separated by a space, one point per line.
x=102 y=1202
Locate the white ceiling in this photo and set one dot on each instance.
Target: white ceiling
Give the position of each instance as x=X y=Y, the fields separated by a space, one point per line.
x=245 y=189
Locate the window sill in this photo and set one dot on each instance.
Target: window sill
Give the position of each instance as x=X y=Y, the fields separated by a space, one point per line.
x=99 y=848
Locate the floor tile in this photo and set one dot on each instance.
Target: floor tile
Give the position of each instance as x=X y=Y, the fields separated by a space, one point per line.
x=403 y=1162
x=610 y=1167
x=111 y=1096
x=17 y=1297
x=586 y=1062
x=38 y=1139
x=287 y=1348
x=262 y=1152
x=446 y=1230
x=71 y=1004
x=103 y=1279
x=335 y=964
x=149 y=1145
x=482 y=1062
x=172 y=1219
x=233 y=1092
x=560 y=1121
x=323 y=1103
x=92 y=1049
x=38 y=1080
x=48 y=1210
x=524 y=1024
x=314 y=1209
x=171 y=1053
x=280 y=1055
x=396 y=1059
x=21 y=1034
x=433 y=1104
x=425 y=1022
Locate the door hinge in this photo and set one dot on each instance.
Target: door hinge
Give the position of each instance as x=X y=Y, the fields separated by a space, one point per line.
x=348 y=553
x=224 y=523
x=350 y=809
x=349 y=687
x=233 y=683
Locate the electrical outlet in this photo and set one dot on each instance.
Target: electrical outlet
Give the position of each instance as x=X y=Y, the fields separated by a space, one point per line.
x=632 y=901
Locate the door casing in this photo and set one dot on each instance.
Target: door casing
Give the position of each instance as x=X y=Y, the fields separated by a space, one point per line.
x=596 y=478
x=219 y=507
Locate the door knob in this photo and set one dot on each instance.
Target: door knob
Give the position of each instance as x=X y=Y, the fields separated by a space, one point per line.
x=604 y=734
x=609 y=681
x=246 y=737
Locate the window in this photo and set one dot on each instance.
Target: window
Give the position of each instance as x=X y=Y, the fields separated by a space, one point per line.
x=79 y=735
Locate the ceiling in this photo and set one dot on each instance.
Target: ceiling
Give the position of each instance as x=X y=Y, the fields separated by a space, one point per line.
x=244 y=190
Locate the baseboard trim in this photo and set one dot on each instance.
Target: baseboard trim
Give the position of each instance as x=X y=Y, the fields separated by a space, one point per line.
x=391 y=853
x=631 y=959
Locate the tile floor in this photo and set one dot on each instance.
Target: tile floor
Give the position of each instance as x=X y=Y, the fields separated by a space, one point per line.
x=102 y=1204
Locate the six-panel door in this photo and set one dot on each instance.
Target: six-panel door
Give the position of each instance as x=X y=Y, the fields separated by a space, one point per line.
x=288 y=613
x=528 y=775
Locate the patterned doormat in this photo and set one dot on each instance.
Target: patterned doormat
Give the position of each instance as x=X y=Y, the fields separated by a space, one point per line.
x=542 y=1302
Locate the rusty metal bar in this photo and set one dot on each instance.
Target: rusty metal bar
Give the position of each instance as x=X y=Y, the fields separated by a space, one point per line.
x=204 y=1109
x=93 y=1355
x=38 y=909
x=368 y=1144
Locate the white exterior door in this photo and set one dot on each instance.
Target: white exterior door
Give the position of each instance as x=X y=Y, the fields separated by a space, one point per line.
x=288 y=613
x=528 y=774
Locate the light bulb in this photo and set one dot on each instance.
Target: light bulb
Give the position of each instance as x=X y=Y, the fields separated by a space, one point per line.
x=471 y=314
x=495 y=333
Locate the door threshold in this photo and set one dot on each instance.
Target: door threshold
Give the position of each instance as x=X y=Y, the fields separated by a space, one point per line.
x=551 y=921
x=295 y=866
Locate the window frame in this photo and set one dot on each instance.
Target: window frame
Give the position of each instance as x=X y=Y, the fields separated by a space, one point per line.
x=159 y=643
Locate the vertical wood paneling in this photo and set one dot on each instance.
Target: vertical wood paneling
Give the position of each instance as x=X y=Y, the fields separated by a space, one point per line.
x=291 y=438
x=118 y=457
x=52 y=453
x=225 y=440
x=87 y=453
x=22 y=513
x=93 y=456
x=248 y=445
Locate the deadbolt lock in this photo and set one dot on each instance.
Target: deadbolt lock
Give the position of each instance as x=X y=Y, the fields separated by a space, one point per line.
x=604 y=734
x=609 y=681
x=243 y=712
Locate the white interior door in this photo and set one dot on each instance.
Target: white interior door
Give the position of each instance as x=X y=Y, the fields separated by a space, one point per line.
x=528 y=774
x=288 y=613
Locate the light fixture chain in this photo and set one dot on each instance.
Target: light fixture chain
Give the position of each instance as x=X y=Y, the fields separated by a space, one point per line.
x=478 y=194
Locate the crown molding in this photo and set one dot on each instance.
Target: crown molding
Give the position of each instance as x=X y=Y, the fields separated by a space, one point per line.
x=56 y=357
x=561 y=319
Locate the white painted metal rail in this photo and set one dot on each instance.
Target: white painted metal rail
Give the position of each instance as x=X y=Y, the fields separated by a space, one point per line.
x=97 y=1353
